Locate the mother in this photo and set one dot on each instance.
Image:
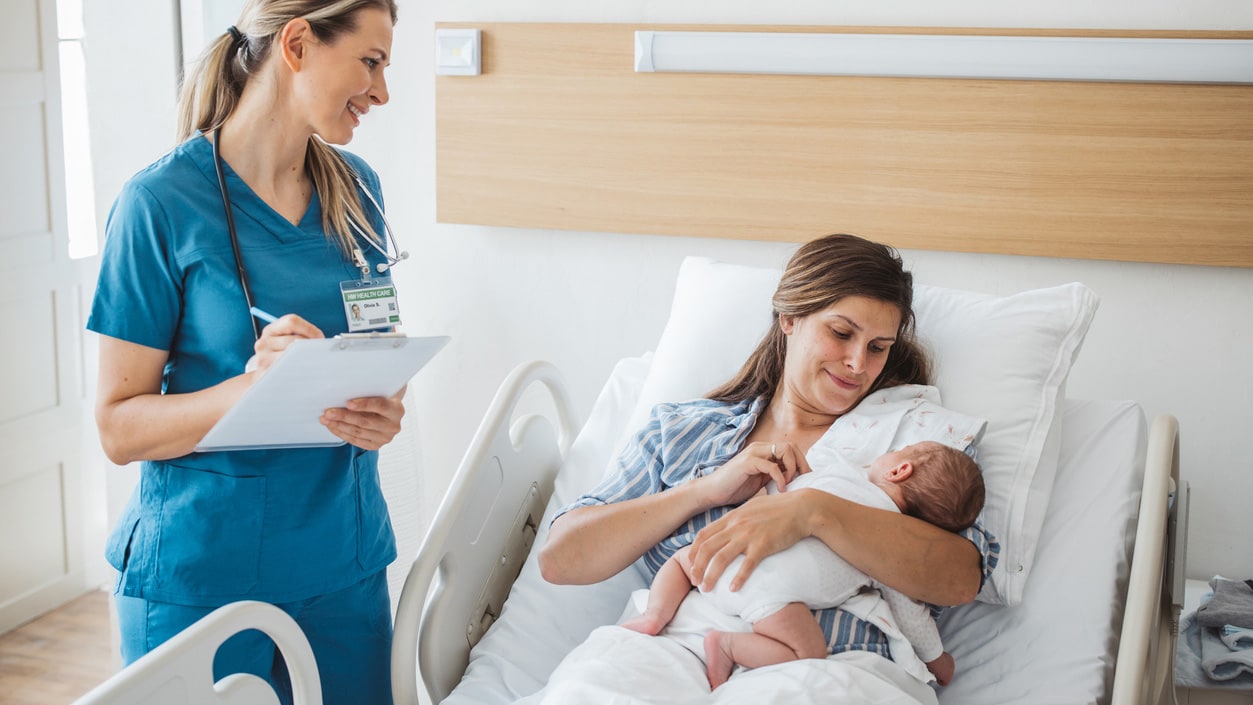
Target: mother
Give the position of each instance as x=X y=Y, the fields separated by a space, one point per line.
x=842 y=328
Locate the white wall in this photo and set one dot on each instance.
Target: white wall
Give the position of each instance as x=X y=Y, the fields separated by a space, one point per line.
x=1176 y=338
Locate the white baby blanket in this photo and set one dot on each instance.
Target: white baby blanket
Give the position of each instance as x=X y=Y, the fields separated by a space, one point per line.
x=891 y=419
x=619 y=666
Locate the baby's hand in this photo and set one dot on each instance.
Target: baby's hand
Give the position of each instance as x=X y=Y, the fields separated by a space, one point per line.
x=942 y=668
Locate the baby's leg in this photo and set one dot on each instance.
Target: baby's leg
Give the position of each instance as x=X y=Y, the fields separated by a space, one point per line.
x=671 y=585
x=787 y=635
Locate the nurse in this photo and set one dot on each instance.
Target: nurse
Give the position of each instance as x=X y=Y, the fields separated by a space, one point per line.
x=253 y=208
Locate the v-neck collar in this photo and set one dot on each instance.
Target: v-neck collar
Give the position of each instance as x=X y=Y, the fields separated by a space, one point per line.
x=246 y=201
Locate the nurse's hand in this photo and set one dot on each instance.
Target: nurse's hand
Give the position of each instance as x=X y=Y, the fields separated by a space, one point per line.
x=275 y=338
x=368 y=423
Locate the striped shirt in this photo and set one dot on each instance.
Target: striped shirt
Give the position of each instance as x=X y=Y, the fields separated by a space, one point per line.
x=686 y=440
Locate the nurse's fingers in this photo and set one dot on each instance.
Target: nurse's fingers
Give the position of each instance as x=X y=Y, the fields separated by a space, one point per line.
x=369 y=423
x=277 y=336
x=282 y=332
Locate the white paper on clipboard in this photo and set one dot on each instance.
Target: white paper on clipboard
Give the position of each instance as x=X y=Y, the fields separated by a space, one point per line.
x=282 y=410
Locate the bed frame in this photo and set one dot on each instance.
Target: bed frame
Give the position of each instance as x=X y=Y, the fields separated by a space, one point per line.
x=504 y=483
x=496 y=498
x=180 y=671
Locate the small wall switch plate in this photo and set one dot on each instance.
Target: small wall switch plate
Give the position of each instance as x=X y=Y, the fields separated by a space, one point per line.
x=457 y=52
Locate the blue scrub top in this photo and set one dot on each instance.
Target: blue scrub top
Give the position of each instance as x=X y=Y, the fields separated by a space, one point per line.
x=206 y=528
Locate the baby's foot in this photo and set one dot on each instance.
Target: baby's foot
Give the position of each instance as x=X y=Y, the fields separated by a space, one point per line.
x=647 y=623
x=718 y=661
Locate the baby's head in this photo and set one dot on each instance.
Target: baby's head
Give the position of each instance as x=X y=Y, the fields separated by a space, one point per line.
x=934 y=482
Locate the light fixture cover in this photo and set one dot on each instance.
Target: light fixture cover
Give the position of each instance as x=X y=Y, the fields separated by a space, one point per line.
x=949 y=56
x=457 y=52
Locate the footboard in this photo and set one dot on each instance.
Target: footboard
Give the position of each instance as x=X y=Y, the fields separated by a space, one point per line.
x=1144 y=669
x=479 y=538
x=180 y=671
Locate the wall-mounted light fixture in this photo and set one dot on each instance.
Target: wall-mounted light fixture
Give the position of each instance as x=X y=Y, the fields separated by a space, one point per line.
x=458 y=52
x=949 y=56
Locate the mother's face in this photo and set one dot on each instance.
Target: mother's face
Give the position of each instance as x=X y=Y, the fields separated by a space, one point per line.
x=836 y=354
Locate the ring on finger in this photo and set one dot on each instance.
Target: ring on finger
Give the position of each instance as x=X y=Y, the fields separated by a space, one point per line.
x=773 y=455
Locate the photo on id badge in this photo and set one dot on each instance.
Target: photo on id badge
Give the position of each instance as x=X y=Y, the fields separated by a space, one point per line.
x=370 y=305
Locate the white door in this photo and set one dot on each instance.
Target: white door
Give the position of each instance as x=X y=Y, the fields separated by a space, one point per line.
x=41 y=365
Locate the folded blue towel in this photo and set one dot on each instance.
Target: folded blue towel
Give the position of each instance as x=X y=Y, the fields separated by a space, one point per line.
x=1204 y=661
x=1236 y=637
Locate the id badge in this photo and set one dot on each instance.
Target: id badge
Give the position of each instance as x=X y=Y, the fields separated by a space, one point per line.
x=370 y=304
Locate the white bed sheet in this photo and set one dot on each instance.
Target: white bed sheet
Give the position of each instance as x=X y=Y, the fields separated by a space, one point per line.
x=1057 y=646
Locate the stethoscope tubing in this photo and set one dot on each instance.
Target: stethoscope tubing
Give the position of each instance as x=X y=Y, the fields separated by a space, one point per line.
x=239 y=259
x=230 y=226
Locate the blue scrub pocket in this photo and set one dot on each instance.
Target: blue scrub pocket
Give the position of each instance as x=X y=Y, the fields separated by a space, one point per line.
x=210 y=540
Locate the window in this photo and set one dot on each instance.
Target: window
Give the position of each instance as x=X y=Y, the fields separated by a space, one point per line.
x=80 y=199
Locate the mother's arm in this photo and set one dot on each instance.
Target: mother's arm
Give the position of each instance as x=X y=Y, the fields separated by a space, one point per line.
x=593 y=543
x=918 y=559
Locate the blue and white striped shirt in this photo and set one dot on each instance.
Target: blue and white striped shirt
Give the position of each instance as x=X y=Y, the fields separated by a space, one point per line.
x=685 y=440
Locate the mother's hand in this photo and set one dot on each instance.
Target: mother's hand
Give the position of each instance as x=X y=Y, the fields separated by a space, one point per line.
x=744 y=475
x=761 y=527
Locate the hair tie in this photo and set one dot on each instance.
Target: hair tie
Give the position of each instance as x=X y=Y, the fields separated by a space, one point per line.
x=235 y=34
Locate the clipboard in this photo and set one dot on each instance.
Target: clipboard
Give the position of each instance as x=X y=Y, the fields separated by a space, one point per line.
x=282 y=410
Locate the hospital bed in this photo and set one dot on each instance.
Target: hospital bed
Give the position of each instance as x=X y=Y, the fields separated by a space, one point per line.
x=1094 y=623
x=476 y=624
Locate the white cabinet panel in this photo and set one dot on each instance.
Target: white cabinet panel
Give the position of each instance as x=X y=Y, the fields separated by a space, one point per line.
x=28 y=374
x=32 y=515
x=19 y=46
x=24 y=184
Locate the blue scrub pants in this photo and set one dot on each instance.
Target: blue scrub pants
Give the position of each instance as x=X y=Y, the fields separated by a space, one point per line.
x=350 y=632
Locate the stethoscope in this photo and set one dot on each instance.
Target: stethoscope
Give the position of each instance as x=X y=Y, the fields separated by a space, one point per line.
x=382 y=267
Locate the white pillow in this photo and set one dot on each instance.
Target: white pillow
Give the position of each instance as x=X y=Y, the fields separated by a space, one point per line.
x=1004 y=359
x=719 y=313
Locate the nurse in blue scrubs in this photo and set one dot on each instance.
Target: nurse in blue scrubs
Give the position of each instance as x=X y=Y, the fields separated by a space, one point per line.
x=306 y=529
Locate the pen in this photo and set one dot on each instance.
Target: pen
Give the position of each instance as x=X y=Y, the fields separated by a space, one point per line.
x=263 y=315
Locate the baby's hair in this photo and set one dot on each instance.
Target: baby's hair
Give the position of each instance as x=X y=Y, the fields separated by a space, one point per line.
x=946 y=488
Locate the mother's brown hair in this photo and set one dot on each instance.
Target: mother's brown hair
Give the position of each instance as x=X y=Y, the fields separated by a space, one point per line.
x=820 y=273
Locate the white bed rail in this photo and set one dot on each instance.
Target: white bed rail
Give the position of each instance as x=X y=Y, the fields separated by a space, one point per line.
x=1144 y=669
x=180 y=671
x=489 y=499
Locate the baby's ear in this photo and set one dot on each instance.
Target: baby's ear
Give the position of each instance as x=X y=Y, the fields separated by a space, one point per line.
x=901 y=471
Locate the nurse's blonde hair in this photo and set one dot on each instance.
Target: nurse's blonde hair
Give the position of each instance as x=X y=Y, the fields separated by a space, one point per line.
x=211 y=91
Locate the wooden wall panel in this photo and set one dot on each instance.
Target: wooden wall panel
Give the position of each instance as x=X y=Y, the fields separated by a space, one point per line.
x=559 y=132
